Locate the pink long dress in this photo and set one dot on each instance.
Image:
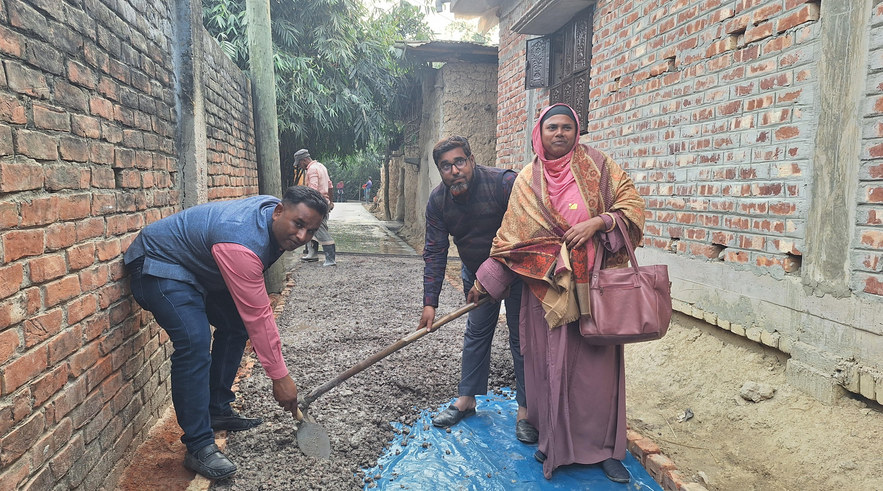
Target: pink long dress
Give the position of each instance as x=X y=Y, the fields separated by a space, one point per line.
x=575 y=391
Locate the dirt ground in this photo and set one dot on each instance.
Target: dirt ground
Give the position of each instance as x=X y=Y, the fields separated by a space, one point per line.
x=335 y=317
x=789 y=442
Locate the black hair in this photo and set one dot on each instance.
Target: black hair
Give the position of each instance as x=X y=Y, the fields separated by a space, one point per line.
x=448 y=144
x=296 y=195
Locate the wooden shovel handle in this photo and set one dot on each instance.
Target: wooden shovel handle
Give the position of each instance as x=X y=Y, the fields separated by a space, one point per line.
x=401 y=343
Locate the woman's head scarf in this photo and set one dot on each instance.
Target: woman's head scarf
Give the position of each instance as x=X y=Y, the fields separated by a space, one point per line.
x=556 y=109
x=537 y=137
x=557 y=170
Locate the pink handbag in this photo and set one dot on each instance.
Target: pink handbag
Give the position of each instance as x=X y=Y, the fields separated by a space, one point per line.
x=630 y=304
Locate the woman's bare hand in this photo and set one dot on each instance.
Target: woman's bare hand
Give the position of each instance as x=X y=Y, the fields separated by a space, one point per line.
x=579 y=234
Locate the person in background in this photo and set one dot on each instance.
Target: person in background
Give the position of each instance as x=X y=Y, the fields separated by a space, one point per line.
x=204 y=266
x=575 y=390
x=317 y=178
x=469 y=205
x=368 y=191
x=340 y=197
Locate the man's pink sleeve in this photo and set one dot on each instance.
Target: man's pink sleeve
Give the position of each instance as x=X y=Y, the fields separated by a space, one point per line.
x=243 y=274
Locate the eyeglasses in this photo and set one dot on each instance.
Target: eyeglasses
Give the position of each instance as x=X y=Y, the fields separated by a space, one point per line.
x=459 y=162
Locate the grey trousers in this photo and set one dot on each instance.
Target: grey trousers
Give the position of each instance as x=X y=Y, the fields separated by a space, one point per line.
x=322 y=235
x=480 y=327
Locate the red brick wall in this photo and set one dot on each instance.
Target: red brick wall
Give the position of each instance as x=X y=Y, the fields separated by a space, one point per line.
x=515 y=112
x=230 y=145
x=708 y=105
x=867 y=259
x=87 y=158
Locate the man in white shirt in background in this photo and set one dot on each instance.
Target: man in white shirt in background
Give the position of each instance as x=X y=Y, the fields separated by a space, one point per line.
x=316 y=177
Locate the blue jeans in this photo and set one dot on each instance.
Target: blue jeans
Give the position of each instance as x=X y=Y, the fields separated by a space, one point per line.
x=480 y=327
x=202 y=371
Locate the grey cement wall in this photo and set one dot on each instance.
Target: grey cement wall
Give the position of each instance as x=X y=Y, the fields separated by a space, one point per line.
x=458 y=99
x=834 y=343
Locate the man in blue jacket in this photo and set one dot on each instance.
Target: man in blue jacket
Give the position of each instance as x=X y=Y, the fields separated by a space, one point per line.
x=204 y=266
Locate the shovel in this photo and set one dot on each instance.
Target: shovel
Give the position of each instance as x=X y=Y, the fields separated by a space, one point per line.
x=311 y=436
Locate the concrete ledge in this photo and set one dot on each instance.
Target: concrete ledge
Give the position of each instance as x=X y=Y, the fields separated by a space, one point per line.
x=814 y=382
x=836 y=340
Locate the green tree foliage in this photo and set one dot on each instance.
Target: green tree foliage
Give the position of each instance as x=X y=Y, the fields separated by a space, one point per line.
x=354 y=170
x=407 y=20
x=467 y=31
x=340 y=82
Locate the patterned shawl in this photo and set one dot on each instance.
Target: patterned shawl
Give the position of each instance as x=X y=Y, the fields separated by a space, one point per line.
x=532 y=246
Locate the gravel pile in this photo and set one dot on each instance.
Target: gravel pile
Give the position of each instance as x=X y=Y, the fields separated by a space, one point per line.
x=334 y=318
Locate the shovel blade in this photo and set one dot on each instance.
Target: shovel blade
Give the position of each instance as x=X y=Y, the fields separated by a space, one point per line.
x=312 y=439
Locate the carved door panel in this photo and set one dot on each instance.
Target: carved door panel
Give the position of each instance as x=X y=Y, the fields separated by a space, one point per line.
x=581 y=97
x=538 y=51
x=568 y=50
x=582 y=31
x=567 y=92
x=555 y=95
x=562 y=61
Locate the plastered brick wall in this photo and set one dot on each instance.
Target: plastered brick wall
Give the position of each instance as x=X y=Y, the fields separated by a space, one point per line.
x=708 y=105
x=514 y=118
x=867 y=257
x=88 y=157
x=725 y=113
x=230 y=134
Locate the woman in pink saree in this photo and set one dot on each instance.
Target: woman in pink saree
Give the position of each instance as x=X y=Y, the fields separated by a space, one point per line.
x=560 y=210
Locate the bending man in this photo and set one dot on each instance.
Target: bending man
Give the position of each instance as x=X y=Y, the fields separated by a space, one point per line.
x=205 y=265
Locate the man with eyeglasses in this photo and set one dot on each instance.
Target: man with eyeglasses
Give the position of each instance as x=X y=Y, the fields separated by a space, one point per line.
x=469 y=205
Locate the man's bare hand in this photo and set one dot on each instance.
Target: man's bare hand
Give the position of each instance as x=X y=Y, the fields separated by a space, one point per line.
x=427 y=317
x=285 y=393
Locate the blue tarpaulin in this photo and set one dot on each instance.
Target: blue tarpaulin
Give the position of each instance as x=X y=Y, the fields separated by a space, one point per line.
x=481 y=453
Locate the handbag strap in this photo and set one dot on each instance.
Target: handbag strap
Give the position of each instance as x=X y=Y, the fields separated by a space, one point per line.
x=596 y=269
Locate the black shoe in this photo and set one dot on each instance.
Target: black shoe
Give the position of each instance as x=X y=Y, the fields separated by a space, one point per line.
x=210 y=462
x=615 y=471
x=451 y=416
x=234 y=422
x=525 y=432
x=540 y=456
